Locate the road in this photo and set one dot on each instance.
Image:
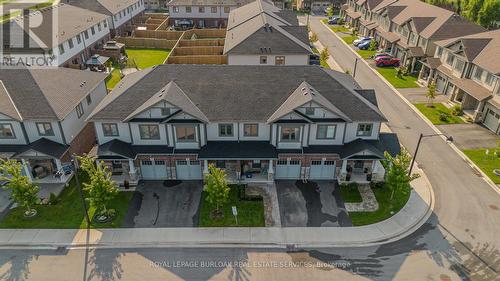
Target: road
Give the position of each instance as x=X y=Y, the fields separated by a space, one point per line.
x=459 y=241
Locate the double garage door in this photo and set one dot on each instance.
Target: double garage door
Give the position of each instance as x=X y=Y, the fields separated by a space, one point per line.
x=322 y=170
x=491 y=120
x=157 y=170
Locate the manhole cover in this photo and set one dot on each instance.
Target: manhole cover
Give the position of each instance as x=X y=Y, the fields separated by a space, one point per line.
x=444 y=277
x=493 y=207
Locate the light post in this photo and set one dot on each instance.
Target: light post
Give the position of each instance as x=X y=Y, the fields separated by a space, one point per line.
x=75 y=164
x=355 y=66
x=448 y=139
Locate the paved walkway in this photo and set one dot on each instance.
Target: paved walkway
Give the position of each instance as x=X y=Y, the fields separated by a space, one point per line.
x=413 y=215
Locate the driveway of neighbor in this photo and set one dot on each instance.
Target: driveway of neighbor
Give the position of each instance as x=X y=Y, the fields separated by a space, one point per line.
x=470 y=136
x=177 y=205
x=419 y=95
x=311 y=204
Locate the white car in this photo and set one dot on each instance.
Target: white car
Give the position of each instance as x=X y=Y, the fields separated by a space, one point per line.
x=361 y=40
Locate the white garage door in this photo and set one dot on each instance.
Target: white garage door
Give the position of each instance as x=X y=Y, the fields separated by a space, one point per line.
x=287 y=169
x=491 y=120
x=322 y=170
x=188 y=170
x=439 y=84
x=154 y=170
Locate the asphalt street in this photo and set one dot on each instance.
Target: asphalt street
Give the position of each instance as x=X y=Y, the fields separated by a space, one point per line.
x=458 y=242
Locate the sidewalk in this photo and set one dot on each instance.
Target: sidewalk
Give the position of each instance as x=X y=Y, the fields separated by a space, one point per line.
x=330 y=61
x=413 y=215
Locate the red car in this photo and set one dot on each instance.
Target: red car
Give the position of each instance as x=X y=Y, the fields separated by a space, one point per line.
x=386 y=61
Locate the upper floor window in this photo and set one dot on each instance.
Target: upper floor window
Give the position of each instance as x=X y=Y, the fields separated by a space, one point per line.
x=99 y=27
x=149 y=132
x=6 y=131
x=185 y=133
x=225 y=130
x=279 y=60
x=110 y=129
x=188 y=9
x=489 y=79
x=478 y=73
x=251 y=130
x=45 y=129
x=92 y=30
x=70 y=43
x=326 y=131
x=115 y=17
x=364 y=130
x=165 y=111
x=213 y=10
x=459 y=65
x=263 y=59
x=175 y=9
x=79 y=110
x=201 y=9
x=439 y=52
x=105 y=23
x=450 y=59
x=89 y=99
x=310 y=110
x=61 y=49
x=290 y=133
x=78 y=39
x=86 y=34
x=226 y=10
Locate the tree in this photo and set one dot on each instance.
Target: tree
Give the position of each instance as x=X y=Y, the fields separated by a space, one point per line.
x=23 y=191
x=216 y=188
x=324 y=54
x=431 y=93
x=100 y=188
x=373 y=45
x=489 y=13
x=313 y=38
x=397 y=168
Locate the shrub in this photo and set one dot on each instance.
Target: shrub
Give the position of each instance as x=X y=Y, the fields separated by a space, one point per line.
x=373 y=45
x=457 y=110
x=443 y=116
x=377 y=184
x=313 y=38
x=340 y=21
x=52 y=199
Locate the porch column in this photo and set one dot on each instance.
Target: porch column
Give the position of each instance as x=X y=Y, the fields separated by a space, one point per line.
x=343 y=170
x=58 y=165
x=131 y=167
x=27 y=170
x=478 y=114
x=270 y=171
x=205 y=166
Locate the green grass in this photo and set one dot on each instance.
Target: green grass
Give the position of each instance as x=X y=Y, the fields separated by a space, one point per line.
x=386 y=206
x=337 y=28
x=145 y=58
x=250 y=213
x=349 y=39
x=324 y=64
x=67 y=213
x=487 y=163
x=366 y=54
x=389 y=73
x=113 y=78
x=315 y=50
x=36 y=7
x=350 y=194
x=432 y=113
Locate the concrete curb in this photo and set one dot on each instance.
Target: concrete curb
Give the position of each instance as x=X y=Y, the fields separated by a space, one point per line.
x=434 y=128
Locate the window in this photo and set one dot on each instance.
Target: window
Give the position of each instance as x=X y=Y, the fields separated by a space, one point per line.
x=450 y=59
x=220 y=164
x=185 y=134
x=61 y=49
x=78 y=39
x=479 y=73
x=92 y=30
x=364 y=130
x=290 y=133
x=175 y=9
x=6 y=131
x=44 y=129
x=279 y=60
x=70 y=43
x=188 y=9
x=86 y=34
x=326 y=132
x=459 y=65
x=213 y=10
x=110 y=129
x=225 y=130
x=251 y=130
x=115 y=17
x=489 y=79
x=309 y=110
x=79 y=110
x=165 y=111
x=263 y=59
x=226 y=10
x=105 y=23
x=89 y=99
x=149 y=132
x=201 y=9
x=99 y=26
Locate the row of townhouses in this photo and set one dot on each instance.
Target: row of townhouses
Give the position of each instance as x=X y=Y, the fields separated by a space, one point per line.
x=439 y=45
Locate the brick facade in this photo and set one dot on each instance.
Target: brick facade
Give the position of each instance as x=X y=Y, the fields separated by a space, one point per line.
x=82 y=143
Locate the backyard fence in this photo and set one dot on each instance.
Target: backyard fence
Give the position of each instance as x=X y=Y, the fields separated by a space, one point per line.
x=150 y=43
x=190 y=51
x=197 y=60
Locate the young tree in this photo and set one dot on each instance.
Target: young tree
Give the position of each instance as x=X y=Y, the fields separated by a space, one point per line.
x=313 y=38
x=324 y=54
x=23 y=191
x=431 y=93
x=373 y=45
x=397 y=168
x=100 y=188
x=216 y=188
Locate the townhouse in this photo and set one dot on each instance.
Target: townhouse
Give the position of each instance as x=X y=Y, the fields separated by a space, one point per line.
x=42 y=118
x=408 y=29
x=122 y=13
x=467 y=70
x=60 y=35
x=261 y=34
x=259 y=123
x=317 y=6
x=202 y=13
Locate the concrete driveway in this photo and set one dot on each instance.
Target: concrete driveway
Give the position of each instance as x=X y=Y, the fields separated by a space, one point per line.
x=311 y=204
x=157 y=205
x=470 y=136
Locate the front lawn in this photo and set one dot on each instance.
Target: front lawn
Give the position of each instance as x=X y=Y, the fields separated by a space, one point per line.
x=67 y=213
x=487 y=162
x=337 y=28
x=349 y=39
x=145 y=58
x=250 y=213
x=350 y=193
x=389 y=73
x=438 y=114
x=366 y=54
x=387 y=208
x=113 y=78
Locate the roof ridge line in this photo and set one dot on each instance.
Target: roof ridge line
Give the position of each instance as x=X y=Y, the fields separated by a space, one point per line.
x=11 y=101
x=43 y=94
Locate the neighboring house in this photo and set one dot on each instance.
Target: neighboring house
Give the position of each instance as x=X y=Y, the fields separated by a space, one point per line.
x=42 y=117
x=260 y=33
x=467 y=70
x=318 y=6
x=408 y=28
x=202 y=13
x=122 y=13
x=69 y=43
x=155 y=4
x=259 y=123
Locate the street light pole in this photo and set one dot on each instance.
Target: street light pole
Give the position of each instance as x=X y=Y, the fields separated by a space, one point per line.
x=75 y=164
x=355 y=66
x=448 y=139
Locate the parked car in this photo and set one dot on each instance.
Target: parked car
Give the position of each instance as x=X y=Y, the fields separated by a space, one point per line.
x=333 y=20
x=386 y=61
x=314 y=59
x=381 y=55
x=361 y=40
x=365 y=45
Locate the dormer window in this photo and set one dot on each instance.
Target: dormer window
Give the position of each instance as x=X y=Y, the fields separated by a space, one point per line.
x=309 y=110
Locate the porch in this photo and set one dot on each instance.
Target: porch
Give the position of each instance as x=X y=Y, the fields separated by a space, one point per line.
x=361 y=170
x=122 y=170
x=244 y=171
x=47 y=170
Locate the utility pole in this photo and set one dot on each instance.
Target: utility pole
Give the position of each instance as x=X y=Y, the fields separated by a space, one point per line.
x=355 y=66
x=75 y=164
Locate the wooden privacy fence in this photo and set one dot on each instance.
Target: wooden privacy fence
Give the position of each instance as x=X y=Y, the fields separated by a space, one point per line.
x=158 y=34
x=187 y=51
x=197 y=60
x=204 y=33
x=151 y=43
x=201 y=42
